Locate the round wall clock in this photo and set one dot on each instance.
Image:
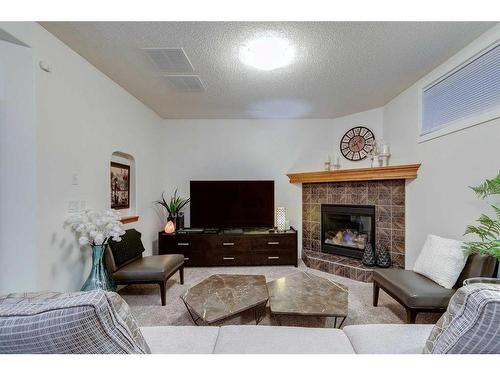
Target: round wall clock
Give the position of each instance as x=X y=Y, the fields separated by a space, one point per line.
x=357 y=143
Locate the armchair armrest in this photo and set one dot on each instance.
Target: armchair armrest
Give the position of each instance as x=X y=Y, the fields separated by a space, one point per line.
x=482 y=280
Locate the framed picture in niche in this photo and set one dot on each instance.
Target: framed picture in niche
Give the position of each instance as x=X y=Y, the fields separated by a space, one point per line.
x=120 y=185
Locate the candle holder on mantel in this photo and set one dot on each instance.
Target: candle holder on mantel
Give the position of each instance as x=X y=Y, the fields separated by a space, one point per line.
x=328 y=165
x=336 y=162
x=373 y=154
x=385 y=154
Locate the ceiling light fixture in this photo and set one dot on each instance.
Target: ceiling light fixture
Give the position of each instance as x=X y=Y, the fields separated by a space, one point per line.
x=267 y=53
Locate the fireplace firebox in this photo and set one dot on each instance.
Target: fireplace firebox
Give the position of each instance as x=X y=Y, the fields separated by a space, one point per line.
x=346 y=229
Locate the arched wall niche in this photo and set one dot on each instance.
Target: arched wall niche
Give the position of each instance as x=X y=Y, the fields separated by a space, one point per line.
x=127 y=159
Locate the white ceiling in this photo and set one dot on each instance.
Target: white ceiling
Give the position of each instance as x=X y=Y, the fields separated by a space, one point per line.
x=340 y=67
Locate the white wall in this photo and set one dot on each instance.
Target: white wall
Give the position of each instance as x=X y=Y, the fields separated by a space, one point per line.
x=82 y=117
x=17 y=169
x=256 y=149
x=439 y=200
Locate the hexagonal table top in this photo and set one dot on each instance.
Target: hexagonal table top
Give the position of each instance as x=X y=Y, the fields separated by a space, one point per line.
x=302 y=293
x=220 y=296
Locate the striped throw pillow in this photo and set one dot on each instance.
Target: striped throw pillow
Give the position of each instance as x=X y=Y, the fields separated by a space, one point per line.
x=470 y=325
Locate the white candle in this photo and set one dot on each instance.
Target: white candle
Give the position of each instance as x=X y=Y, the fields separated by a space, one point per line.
x=385 y=148
x=336 y=159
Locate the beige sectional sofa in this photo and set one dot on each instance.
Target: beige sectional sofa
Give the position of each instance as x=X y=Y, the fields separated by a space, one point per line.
x=101 y=322
x=361 y=339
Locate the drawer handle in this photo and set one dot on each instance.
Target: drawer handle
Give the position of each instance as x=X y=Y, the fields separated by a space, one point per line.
x=186 y=258
x=273 y=243
x=227 y=258
x=273 y=257
x=228 y=244
x=182 y=243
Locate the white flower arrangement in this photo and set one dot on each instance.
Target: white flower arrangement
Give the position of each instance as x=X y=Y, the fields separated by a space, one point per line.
x=96 y=228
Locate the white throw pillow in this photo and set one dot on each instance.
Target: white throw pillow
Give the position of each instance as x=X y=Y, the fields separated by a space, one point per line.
x=441 y=260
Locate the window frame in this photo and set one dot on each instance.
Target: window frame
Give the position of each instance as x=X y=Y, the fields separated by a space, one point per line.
x=470 y=53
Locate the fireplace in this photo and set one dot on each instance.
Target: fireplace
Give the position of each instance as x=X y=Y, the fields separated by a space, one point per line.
x=346 y=229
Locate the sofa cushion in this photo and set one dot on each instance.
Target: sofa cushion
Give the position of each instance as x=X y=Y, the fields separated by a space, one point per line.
x=470 y=325
x=181 y=339
x=412 y=289
x=130 y=247
x=441 y=260
x=388 y=338
x=150 y=268
x=82 y=322
x=281 y=340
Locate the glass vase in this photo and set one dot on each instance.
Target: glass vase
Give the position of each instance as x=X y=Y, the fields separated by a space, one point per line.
x=99 y=277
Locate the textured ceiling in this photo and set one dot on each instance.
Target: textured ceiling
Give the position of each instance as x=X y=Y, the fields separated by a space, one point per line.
x=340 y=67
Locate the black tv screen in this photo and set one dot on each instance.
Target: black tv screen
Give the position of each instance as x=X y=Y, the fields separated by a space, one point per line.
x=232 y=204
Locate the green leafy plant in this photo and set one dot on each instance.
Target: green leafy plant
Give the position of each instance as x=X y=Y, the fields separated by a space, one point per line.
x=488 y=228
x=174 y=205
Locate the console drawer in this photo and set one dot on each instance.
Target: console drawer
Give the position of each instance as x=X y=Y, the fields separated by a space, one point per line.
x=193 y=258
x=274 y=257
x=231 y=244
x=228 y=258
x=274 y=243
x=184 y=243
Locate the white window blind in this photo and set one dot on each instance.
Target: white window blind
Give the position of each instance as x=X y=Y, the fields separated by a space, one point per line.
x=470 y=90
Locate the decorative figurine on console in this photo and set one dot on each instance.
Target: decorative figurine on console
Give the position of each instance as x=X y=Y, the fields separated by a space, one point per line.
x=170 y=227
x=281 y=225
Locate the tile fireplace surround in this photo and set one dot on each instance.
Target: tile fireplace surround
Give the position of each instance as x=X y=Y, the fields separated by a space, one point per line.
x=388 y=197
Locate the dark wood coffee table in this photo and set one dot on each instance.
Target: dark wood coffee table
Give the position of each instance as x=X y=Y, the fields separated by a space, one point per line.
x=221 y=296
x=302 y=293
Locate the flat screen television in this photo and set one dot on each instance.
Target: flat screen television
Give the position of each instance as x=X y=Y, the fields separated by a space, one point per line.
x=232 y=204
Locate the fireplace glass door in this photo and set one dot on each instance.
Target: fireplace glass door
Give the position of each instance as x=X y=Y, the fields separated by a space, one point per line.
x=345 y=230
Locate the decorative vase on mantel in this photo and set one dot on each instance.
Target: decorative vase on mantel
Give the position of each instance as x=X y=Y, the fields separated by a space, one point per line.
x=99 y=277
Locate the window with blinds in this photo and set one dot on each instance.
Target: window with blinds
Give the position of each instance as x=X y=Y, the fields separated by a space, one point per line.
x=469 y=92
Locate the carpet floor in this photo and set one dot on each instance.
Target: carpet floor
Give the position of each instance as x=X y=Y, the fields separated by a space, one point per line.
x=144 y=301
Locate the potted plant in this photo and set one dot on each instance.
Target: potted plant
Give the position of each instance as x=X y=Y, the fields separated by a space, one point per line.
x=173 y=208
x=488 y=227
x=95 y=229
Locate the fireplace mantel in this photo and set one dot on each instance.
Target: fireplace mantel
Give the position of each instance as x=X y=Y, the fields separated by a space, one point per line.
x=393 y=172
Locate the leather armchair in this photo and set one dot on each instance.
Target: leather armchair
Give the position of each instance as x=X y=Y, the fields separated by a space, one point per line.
x=418 y=294
x=127 y=265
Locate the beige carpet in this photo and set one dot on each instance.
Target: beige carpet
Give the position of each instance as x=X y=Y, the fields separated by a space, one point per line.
x=146 y=307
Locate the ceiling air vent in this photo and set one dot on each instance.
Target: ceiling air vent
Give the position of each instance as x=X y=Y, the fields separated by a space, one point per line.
x=187 y=83
x=171 y=60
